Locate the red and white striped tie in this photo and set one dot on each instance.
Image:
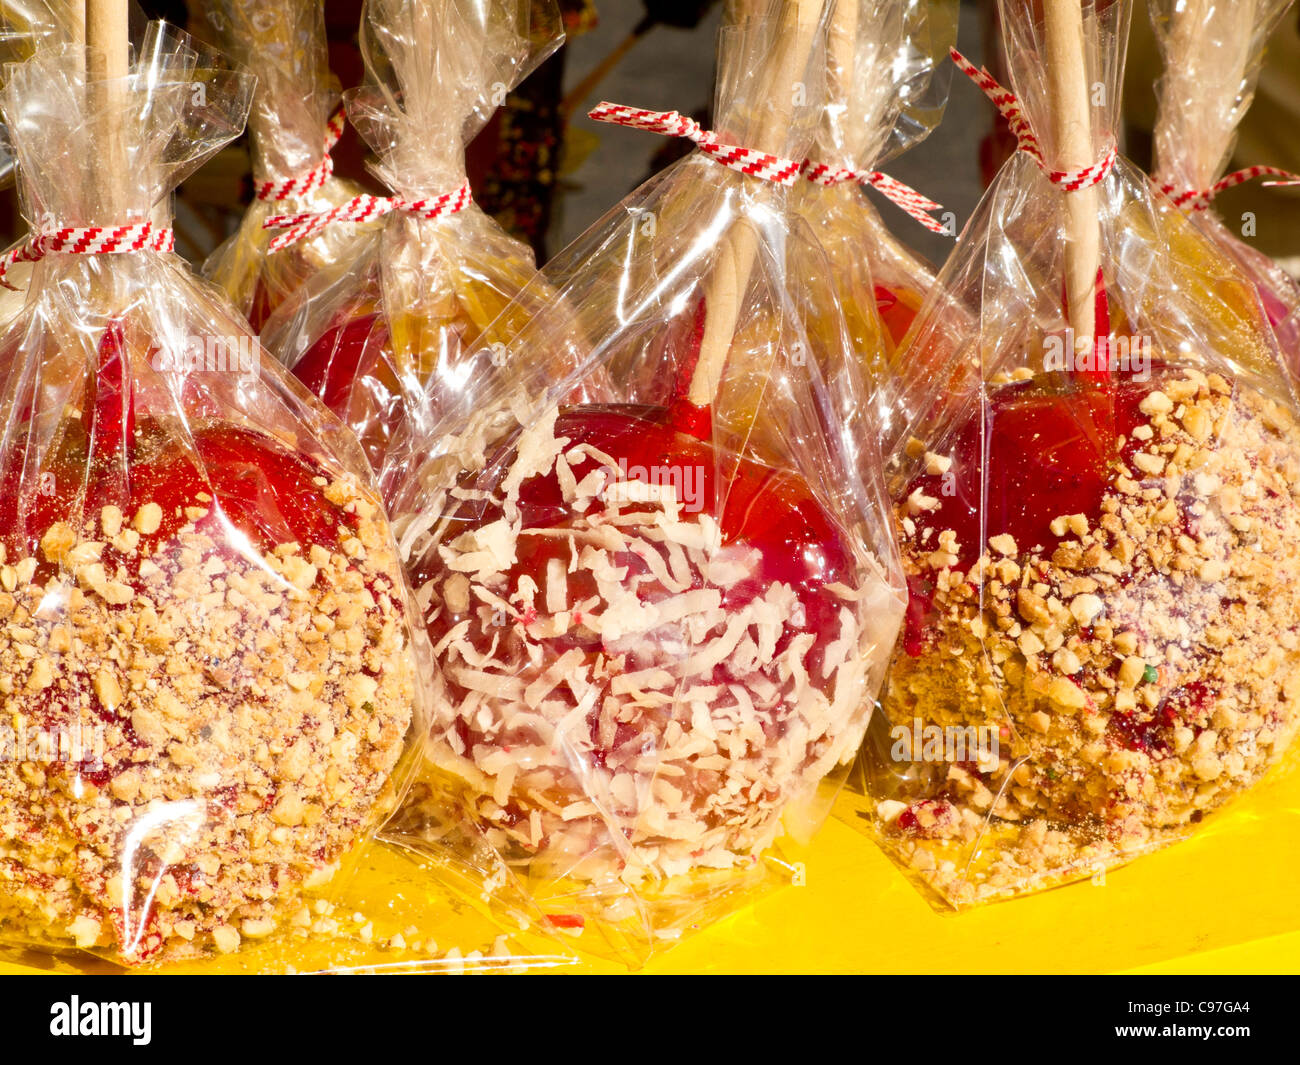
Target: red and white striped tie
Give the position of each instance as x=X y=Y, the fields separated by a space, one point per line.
x=88 y=240
x=916 y=204
x=1199 y=199
x=276 y=190
x=672 y=124
x=362 y=209
x=1008 y=104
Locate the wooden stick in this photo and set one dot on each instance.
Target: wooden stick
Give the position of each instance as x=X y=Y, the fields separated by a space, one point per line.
x=1067 y=73
x=107 y=65
x=842 y=48
x=108 y=36
x=725 y=287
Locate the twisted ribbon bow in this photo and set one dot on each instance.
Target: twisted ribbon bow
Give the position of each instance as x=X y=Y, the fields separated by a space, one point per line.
x=362 y=209
x=914 y=203
x=1199 y=199
x=672 y=124
x=764 y=165
x=1008 y=105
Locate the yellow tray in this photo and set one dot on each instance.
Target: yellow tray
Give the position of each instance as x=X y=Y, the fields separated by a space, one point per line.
x=1224 y=901
x=1221 y=902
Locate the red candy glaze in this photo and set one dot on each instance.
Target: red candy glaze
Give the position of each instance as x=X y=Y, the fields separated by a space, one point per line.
x=762 y=508
x=771 y=510
x=111 y=455
x=1049 y=453
x=347 y=350
x=897 y=310
x=351 y=351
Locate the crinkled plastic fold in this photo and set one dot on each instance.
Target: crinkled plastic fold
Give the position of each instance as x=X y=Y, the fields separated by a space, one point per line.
x=887 y=86
x=1213 y=54
x=26 y=25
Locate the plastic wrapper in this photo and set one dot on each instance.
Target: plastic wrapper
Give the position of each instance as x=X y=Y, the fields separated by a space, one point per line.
x=24 y=27
x=14 y=295
x=292 y=125
x=1213 y=53
x=886 y=91
x=382 y=336
x=207 y=655
x=26 y=24
x=659 y=621
x=1100 y=648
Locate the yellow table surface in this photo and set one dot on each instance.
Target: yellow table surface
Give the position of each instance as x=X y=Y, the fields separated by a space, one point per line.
x=1210 y=905
x=1225 y=901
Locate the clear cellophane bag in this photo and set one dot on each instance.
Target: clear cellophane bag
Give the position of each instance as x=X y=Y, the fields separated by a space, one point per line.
x=212 y=682
x=25 y=26
x=886 y=88
x=1099 y=650
x=1213 y=53
x=381 y=337
x=284 y=45
x=660 y=585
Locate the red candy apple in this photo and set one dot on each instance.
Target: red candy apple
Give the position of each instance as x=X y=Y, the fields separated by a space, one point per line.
x=1095 y=574
x=218 y=621
x=350 y=369
x=649 y=647
x=897 y=309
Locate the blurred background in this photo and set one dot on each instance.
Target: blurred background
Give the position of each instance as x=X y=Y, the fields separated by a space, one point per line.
x=547 y=172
